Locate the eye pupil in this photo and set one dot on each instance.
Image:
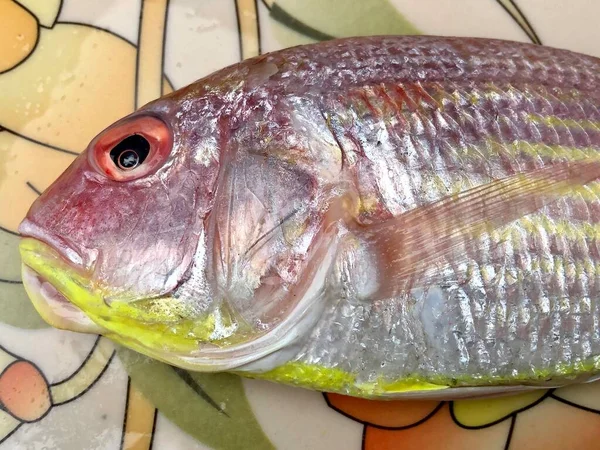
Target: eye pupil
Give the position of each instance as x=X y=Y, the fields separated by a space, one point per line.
x=130 y=152
x=129 y=159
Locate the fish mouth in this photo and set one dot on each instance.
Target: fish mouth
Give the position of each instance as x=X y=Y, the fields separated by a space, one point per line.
x=67 y=298
x=53 y=306
x=29 y=229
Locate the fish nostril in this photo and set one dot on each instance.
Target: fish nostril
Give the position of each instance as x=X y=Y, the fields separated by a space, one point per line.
x=75 y=256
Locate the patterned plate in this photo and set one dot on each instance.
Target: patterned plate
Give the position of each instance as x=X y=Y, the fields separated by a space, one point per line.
x=68 y=69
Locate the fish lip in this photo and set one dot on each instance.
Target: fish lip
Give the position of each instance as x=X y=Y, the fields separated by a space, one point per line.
x=73 y=255
x=54 y=307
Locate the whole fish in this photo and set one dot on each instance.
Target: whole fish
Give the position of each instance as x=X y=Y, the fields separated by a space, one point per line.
x=383 y=217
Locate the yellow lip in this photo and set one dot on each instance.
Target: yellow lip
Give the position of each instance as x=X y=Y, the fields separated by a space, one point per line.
x=150 y=331
x=54 y=308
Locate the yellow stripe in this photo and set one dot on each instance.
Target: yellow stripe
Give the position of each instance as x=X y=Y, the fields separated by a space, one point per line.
x=249 y=32
x=572 y=231
x=149 y=75
x=435 y=183
x=87 y=374
x=139 y=421
x=7 y=424
x=555 y=122
x=555 y=152
x=5 y=359
x=516 y=150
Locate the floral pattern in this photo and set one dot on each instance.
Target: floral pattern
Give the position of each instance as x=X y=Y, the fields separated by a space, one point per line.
x=503 y=422
x=68 y=69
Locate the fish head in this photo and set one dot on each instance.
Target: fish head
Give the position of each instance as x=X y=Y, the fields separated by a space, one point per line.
x=169 y=236
x=106 y=246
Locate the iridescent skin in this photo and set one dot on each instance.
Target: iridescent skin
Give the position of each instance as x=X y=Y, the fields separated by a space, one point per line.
x=242 y=220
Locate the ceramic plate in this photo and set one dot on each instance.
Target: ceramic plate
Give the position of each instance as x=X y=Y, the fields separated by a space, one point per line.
x=70 y=68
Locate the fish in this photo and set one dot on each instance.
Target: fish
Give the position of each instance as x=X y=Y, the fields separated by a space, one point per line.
x=383 y=217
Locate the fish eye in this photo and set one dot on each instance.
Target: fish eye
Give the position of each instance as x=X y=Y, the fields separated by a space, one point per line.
x=130 y=152
x=131 y=148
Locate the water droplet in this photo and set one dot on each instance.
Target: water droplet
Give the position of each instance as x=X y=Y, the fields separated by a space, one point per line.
x=65 y=76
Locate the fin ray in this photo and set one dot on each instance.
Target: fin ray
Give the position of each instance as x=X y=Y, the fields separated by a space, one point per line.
x=410 y=244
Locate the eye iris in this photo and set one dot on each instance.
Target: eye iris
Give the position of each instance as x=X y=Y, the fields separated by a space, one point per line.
x=130 y=152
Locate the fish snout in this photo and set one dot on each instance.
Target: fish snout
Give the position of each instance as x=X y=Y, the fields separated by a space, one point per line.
x=78 y=257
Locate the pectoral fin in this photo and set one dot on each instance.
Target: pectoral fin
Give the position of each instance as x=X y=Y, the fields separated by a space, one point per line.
x=412 y=245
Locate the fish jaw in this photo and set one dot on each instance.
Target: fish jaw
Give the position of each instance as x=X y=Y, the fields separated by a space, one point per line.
x=66 y=298
x=54 y=307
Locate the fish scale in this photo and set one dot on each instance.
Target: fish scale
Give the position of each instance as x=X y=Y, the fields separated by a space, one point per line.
x=520 y=318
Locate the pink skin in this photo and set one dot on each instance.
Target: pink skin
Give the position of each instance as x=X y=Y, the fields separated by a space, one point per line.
x=136 y=238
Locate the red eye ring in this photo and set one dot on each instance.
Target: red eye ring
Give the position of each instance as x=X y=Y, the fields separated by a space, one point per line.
x=150 y=129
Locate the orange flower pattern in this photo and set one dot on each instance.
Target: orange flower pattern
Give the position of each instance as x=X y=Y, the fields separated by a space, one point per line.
x=516 y=422
x=24 y=392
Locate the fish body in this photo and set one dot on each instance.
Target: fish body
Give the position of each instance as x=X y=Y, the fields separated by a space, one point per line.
x=378 y=216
